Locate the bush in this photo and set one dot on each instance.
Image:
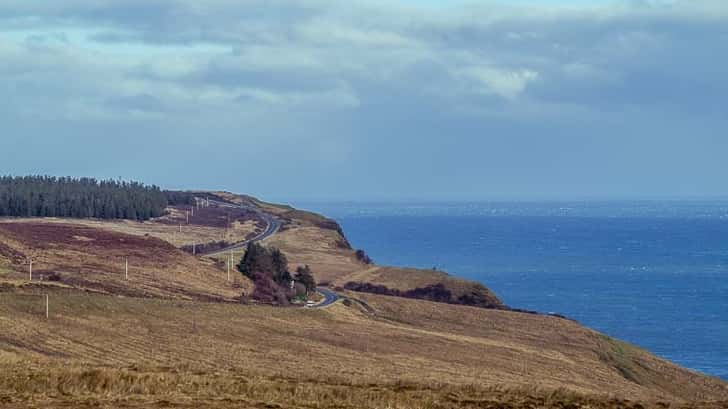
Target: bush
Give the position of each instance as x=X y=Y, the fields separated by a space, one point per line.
x=54 y=277
x=434 y=292
x=362 y=257
x=267 y=291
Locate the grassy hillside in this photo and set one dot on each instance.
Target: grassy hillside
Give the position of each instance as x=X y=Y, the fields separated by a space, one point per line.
x=99 y=350
x=174 y=334
x=94 y=259
x=319 y=248
x=166 y=228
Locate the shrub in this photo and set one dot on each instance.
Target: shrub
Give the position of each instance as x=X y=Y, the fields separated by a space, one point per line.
x=54 y=277
x=267 y=291
x=362 y=257
x=434 y=292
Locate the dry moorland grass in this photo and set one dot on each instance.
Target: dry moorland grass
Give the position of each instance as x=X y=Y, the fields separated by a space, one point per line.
x=97 y=349
x=150 y=387
x=166 y=228
x=404 y=279
x=317 y=247
x=397 y=278
x=175 y=350
x=94 y=259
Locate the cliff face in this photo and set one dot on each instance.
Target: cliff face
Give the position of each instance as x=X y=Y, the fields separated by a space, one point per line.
x=300 y=218
x=311 y=239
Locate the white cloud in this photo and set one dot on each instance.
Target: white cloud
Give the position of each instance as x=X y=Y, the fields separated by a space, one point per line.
x=506 y=83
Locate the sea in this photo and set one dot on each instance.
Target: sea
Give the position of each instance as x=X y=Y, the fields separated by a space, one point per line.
x=653 y=273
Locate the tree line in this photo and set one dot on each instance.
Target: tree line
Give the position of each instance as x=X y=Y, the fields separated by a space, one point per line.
x=48 y=196
x=179 y=198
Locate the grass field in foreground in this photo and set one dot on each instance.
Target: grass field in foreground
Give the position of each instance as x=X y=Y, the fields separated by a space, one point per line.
x=106 y=350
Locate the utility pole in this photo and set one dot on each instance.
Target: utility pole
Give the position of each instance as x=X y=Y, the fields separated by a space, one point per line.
x=126 y=269
x=194 y=249
x=229 y=266
x=232 y=262
x=46 y=306
x=30 y=270
x=187 y=215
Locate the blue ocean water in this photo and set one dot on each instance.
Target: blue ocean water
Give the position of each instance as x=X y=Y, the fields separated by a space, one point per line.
x=651 y=273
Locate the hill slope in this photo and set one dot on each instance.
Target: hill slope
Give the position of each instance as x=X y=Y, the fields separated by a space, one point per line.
x=94 y=259
x=179 y=338
x=95 y=348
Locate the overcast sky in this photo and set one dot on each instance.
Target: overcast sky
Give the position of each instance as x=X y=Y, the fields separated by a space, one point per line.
x=371 y=100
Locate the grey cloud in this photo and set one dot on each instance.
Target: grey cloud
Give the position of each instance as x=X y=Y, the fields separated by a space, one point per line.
x=593 y=57
x=139 y=103
x=330 y=84
x=163 y=21
x=237 y=73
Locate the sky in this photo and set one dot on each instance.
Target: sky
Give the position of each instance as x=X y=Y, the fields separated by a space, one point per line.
x=372 y=100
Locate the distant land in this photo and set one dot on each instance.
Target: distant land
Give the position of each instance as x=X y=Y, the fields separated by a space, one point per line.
x=118 y=294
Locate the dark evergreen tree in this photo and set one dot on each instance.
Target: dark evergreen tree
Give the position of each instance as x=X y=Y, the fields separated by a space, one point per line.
x=280 y=268
x=178 y=198
x=255 y=260
x=304 y=275
x=46 y=196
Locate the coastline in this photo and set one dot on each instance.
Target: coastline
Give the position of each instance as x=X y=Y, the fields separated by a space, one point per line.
x=549 y=289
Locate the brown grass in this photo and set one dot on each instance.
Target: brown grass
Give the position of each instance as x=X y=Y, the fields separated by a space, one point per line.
x=176 y=350
x=319 y=249
x=404 y=279
x=407 y=353
x=166 y=228
x=93 y=259
x=149 y=387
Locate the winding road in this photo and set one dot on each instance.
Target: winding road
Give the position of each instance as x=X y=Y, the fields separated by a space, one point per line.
x=330 y=297
x=272 y=226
